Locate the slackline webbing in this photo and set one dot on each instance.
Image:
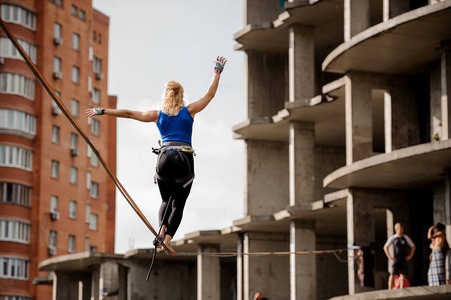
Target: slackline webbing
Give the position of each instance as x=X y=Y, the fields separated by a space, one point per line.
x=52 y=94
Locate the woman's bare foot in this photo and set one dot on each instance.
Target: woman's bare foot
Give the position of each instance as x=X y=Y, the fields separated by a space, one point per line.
x=162 y=234
x=167 y=242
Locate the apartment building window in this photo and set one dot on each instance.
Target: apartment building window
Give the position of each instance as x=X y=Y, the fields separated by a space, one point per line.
x=71 y=244
x=88 y=213
x=55 y=169
x=8 y=50
x=76 y=41
x=93 y=222
x=86 y=243
x=14 y=231
x=72 y=209
x=96 y=96
x=82 y=15
x=74 y=10
x=18 y=15
x=14 y=297
x=97 y=65
x=13 y=267
x=94 y=160
x=93 y=249
x=17 y=84
x=73 y=175
x=52 y=242
x=15 y=157
x=94 y=191
x=88 y=180
x=59 y=3
x=15 y=193
x=57 y=74
x=75 y=74
x=74 y=107
x=18 y=122
x=53 y=204
x=55 y=134
x=95 y=127
x=57 y=34
x=74 y=143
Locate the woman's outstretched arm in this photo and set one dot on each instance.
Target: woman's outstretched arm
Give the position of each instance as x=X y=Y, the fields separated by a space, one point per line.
x=143 y=116
x=200 y=104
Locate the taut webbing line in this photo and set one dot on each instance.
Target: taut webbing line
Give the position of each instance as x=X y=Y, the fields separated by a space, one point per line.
x=234 y=254
x=52 y=94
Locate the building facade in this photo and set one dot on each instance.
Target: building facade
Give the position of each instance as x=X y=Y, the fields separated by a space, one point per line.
x=54 y=196
x=347 y=133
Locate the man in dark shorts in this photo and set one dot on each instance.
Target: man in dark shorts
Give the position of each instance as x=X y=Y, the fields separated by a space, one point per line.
x=400 y=258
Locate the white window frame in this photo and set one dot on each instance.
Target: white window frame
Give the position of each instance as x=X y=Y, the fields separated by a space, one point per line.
x=16 y=157
x=17 y=122
x=12 y=230
x=96 y=96
x=15 y=193
x=53 y=203
x=93 y=222
x=75 y=74
x=94 y=190
x=75 y=41
x=14 y=267
x=55 y=169
x=23 y=17
x=95 y=127
x=16 y=84
x=71 y=244
x=74 y=105
x=72 y=209
x=55 y=134
x=73 y=175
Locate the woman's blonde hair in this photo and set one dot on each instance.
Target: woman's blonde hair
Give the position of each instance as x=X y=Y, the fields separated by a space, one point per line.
x=172 y=98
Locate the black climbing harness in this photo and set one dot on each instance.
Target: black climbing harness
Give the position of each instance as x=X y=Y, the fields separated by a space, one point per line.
x=184 y=182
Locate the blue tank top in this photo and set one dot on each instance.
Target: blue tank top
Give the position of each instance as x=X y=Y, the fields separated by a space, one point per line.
x=176 y=128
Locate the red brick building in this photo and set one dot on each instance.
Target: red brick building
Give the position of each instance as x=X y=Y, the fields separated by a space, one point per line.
x=55 y=197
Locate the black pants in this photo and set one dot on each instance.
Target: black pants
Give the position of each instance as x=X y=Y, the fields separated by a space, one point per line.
x=172 y=165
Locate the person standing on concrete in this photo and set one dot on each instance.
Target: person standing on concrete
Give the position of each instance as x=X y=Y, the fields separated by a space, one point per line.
x=400 y=258
x=175 y=164
x=439 y=247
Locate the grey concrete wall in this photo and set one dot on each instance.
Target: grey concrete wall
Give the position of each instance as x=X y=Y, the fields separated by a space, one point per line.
x=327 y=160
x=331 y=274
x=356 y=17
x=109 y=278
x=66 y=285
x=267 y=274
x=393 y=8
x=182 y=276
x=267 y=83
x=361 y=223
x=266 y=188
x=259 y=11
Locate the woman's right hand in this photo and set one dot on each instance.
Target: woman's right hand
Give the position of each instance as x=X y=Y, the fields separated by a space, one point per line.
x=219 y=64
x=90 y=112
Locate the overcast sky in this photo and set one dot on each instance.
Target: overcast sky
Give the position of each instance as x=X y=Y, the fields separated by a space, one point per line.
x=150 y=43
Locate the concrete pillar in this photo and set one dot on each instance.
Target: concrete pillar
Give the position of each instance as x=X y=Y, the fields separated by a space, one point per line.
x=356 y=17
x=302 y=267
x=302 y=163
x=358 y=109
x=208 y=273
x=266 y=189
x=266 y=274
x=440 y=78
x=360 y=225
x=95 y=283
x=240 y=268
x=109 y=278
x=445 y=68
x=301 y=63
x=393 y=8
x=266 y=96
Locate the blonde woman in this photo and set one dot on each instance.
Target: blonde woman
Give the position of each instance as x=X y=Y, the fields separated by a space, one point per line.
x=175 y=165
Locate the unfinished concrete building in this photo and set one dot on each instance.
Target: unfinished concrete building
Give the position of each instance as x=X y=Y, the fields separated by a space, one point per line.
x=347 y=133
